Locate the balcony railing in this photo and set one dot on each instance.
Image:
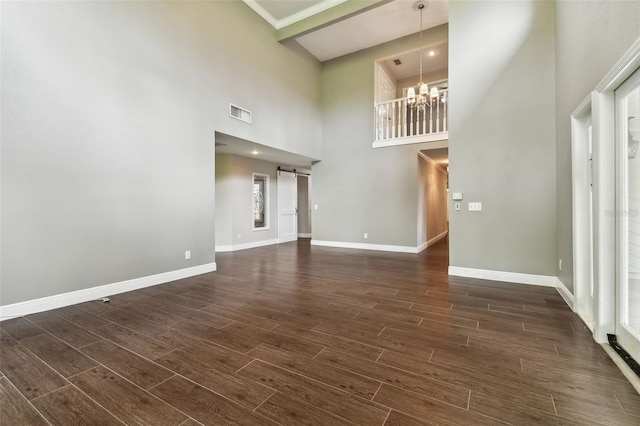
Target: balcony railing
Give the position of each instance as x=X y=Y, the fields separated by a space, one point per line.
x=395 y=119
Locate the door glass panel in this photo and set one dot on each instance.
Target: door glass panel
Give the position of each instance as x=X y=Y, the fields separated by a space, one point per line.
x=630 y=279
x=260 y=201
x=628 y=116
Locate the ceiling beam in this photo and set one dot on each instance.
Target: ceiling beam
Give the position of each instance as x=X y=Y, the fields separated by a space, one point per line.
x=327 y=17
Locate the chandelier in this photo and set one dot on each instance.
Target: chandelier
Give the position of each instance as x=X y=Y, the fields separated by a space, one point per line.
x=424 y=96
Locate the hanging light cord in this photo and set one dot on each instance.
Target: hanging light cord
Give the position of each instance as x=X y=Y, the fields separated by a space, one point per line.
x=421 y=7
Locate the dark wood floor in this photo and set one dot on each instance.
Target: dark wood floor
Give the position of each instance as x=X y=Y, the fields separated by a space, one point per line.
x=294 y=334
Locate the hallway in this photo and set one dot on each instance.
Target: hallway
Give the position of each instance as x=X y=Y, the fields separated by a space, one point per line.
x=294 y=334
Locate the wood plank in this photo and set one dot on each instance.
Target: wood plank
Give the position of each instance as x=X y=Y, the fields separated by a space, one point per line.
x=15 y=409
x=68 y=332
x=21 y=328
x=289 y=411
x=28 y=373
x=134 y=341
x=58 y=355
x=125 y=400
x=207 y=373
x=315 y=393
x=69 y=406
x=431 y=388
x=426 y=408
x=132 y=367
x=356 y=384
x=205 y=406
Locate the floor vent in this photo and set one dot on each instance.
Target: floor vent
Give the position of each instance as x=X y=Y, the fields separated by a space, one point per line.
x=240 y=113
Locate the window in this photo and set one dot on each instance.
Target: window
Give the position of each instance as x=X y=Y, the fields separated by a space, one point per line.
x=260 y=201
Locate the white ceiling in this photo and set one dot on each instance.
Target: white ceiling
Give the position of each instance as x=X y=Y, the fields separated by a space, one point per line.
x=410 y=61
x=378 y=25
x=389 y=21
x=226 y=144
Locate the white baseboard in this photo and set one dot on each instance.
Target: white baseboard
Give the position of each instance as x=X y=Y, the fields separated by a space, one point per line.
x=304 y=235
x=437 y=238
x=422 y=247
x=245 y=246
x=512 y=277
x=566 y=294
x=65 y=299
x=365 y=246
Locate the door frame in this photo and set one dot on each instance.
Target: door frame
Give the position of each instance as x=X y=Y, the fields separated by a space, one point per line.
x=583 y=229
x=604 y=164
x=605 y=269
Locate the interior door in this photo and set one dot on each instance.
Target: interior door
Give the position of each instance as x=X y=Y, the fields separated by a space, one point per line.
x=287 y=207
x=627 y=104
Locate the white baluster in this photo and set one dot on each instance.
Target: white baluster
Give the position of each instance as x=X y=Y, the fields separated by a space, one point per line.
x=411 y=122
x=437 y=114
x=404 y=117
x=393 y=120
x=399 y=131
x=386 y=120
x=444 y=114
x=424 y=120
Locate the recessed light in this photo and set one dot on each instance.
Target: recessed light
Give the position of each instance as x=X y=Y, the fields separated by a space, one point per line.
x=432 y=53
x=254 y=152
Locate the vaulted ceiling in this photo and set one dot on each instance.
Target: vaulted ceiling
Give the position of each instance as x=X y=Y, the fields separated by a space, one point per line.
x=332 y=28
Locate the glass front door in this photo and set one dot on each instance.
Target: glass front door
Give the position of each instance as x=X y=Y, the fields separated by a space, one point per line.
x=627 y=101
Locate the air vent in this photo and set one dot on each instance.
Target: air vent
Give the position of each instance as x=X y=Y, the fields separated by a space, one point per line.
x=397 y=62
x=240 y=113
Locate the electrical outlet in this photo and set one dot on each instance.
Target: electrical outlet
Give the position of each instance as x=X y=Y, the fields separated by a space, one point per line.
x=560 y=264
x=475 y=207
x=187 y=255
x=366 y=235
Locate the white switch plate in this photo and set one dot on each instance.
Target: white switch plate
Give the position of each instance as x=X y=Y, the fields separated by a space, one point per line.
x=315 y=206
x=187 y=254
x=457 y=196
x=366 y=235
x=475 y=207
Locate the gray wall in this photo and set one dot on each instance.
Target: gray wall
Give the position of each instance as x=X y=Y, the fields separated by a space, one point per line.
x=359 y=189
x=502 y=135
x=108 y=117
x=234 y=197
x=590 y=38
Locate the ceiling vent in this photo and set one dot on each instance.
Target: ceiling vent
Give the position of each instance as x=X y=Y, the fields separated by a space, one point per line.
x=240 y=113
x=397 y=62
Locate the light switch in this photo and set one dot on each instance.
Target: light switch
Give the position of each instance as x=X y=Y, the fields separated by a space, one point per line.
x=475 y=207
x=456 y=206
x=457 y=196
